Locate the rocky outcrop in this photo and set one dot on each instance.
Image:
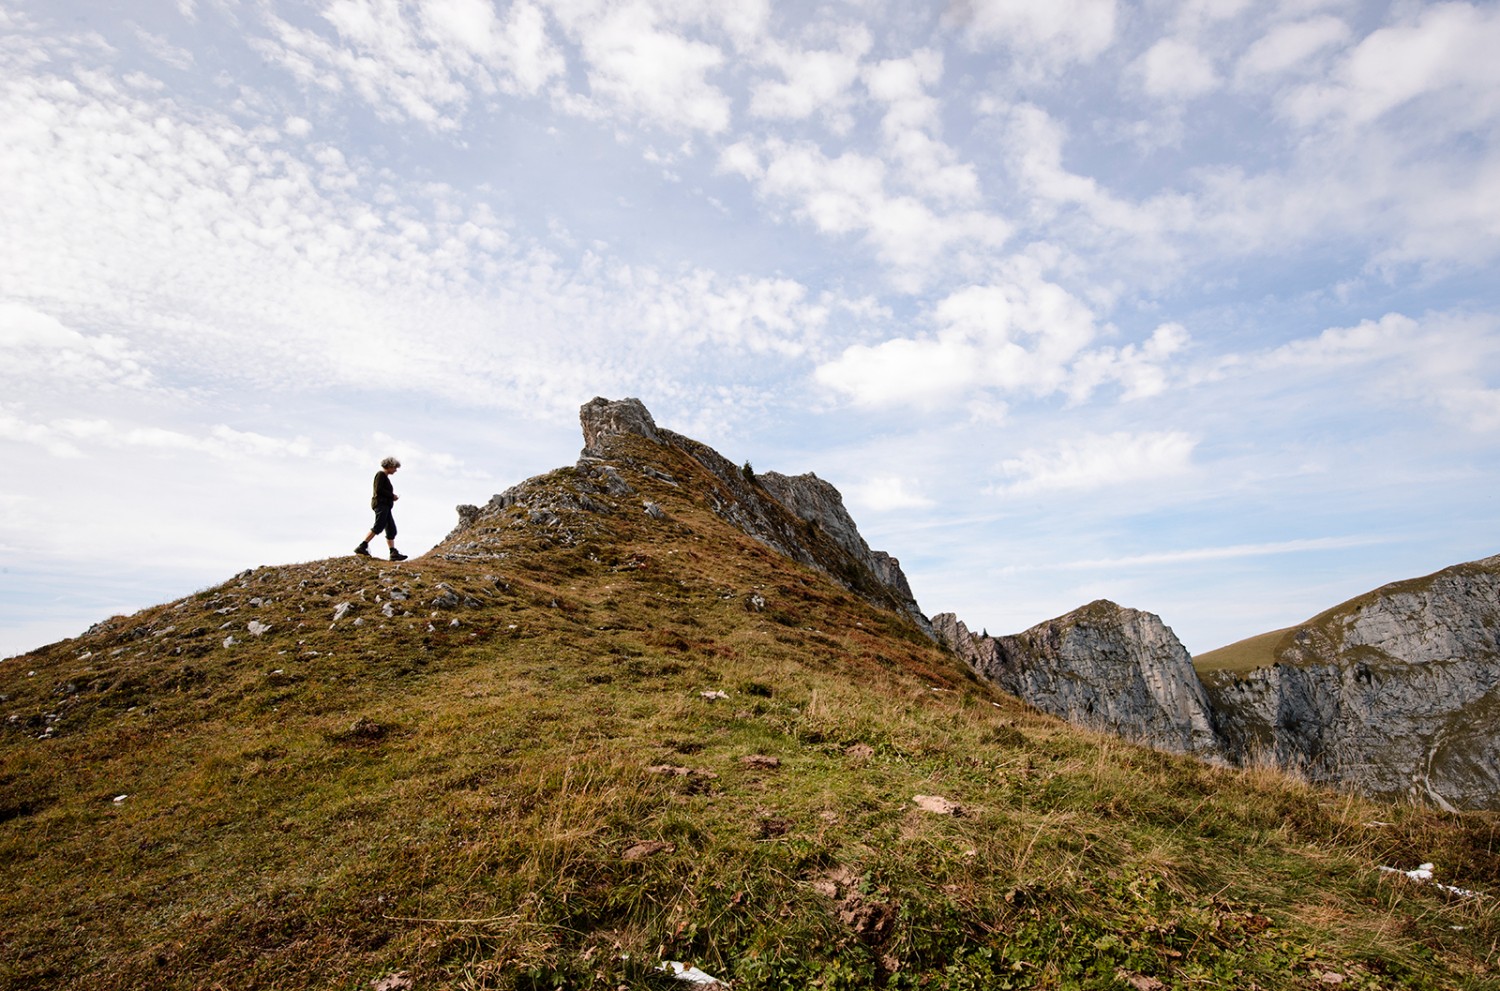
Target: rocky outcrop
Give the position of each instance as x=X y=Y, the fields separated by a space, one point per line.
x=1396 y=691
x=602 y=419
x=801 y=517
x=818 y=503
x=1103 y=666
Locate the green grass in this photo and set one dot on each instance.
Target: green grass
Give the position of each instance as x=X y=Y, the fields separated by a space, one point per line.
x=1244 y=655
x=318 y=807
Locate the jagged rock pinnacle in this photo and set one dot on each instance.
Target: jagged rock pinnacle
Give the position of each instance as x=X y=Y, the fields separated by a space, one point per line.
x=604 y=418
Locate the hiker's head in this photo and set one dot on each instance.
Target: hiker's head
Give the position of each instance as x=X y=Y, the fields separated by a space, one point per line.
x=390 y=464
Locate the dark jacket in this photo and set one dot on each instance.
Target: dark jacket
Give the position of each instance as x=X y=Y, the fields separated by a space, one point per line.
x=385 y=493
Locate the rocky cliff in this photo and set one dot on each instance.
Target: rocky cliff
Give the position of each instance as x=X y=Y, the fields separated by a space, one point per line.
x=802 y=517
x=1396 y=691
x=1103 y=666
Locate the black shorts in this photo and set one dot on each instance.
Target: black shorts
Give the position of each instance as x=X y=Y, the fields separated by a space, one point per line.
x=384 y=523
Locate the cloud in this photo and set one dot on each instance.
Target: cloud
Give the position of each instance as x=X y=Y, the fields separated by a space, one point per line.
x=1139 y=369
x=813 y=82
x=848 y=195
x=910 y=125
x=425 y=65
x=1196 y=555
x=1289 y=47
x=246 y=254
x=1097 y=461
x=885 y=493
x=1016 y=337
x=39 y=350
x=1054 y=33
x=658 y=74
x=1445 y=50
x=1444 y=361
x=1035 y=143
x=1174 y=69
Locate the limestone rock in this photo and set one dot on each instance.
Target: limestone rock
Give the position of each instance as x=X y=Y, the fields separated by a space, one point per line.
x=602 y=419
x=1394 y=692
x=1110 y=668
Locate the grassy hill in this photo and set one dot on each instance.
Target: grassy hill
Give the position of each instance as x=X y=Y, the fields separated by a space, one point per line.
x=607 y=739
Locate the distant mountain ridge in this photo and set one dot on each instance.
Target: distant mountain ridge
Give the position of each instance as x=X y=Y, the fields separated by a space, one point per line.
x=1393 y=693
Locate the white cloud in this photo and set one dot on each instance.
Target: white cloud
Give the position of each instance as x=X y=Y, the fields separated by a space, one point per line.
x=1057 y=32
x=1290 y=46
x=814 y=82
x=885 y=493
x=228 y=252
x=1370 y=339
x=651 y=71
x=912 y=120
x=1444 y=50
x=1174 y=69
x=40 y=352
x=1443 y=361
x=1228 y=552
x=424 y=64
x=1099 y=461
x=1035 y=144
x=1019 y=338
x=848 y=195
x=1139 y=369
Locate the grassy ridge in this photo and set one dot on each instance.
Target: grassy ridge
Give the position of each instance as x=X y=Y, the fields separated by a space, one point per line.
x=515 y=780
x=1244 y=655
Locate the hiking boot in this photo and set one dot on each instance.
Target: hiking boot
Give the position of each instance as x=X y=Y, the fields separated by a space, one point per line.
x=363 y=548
x=397 y=555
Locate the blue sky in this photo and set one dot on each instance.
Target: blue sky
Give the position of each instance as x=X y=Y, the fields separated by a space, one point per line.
x=1190 y=305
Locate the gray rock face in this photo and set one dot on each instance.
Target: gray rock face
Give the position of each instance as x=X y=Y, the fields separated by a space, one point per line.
x=602 y=419
x=815 y=501
x=1103 y=666
x=1394 y=692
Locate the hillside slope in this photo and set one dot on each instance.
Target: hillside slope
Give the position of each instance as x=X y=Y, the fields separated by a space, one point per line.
x=640 y=710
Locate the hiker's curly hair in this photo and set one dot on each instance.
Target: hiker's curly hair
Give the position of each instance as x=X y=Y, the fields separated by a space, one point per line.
x=390 y=463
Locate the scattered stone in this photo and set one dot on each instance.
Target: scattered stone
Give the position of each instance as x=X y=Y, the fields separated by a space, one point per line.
x=673 y=771
x=712 y=695
x=859 y=751
x=257 y=628
x=341 y=610
x=399 y=981
x=938 y=805
x=646 y=848
x=228 y=642
x=761 y=761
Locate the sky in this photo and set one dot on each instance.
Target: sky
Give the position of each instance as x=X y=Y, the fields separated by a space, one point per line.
x=1187 y=304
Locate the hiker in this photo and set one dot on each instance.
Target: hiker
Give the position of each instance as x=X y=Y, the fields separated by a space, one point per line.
x=384 y=498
